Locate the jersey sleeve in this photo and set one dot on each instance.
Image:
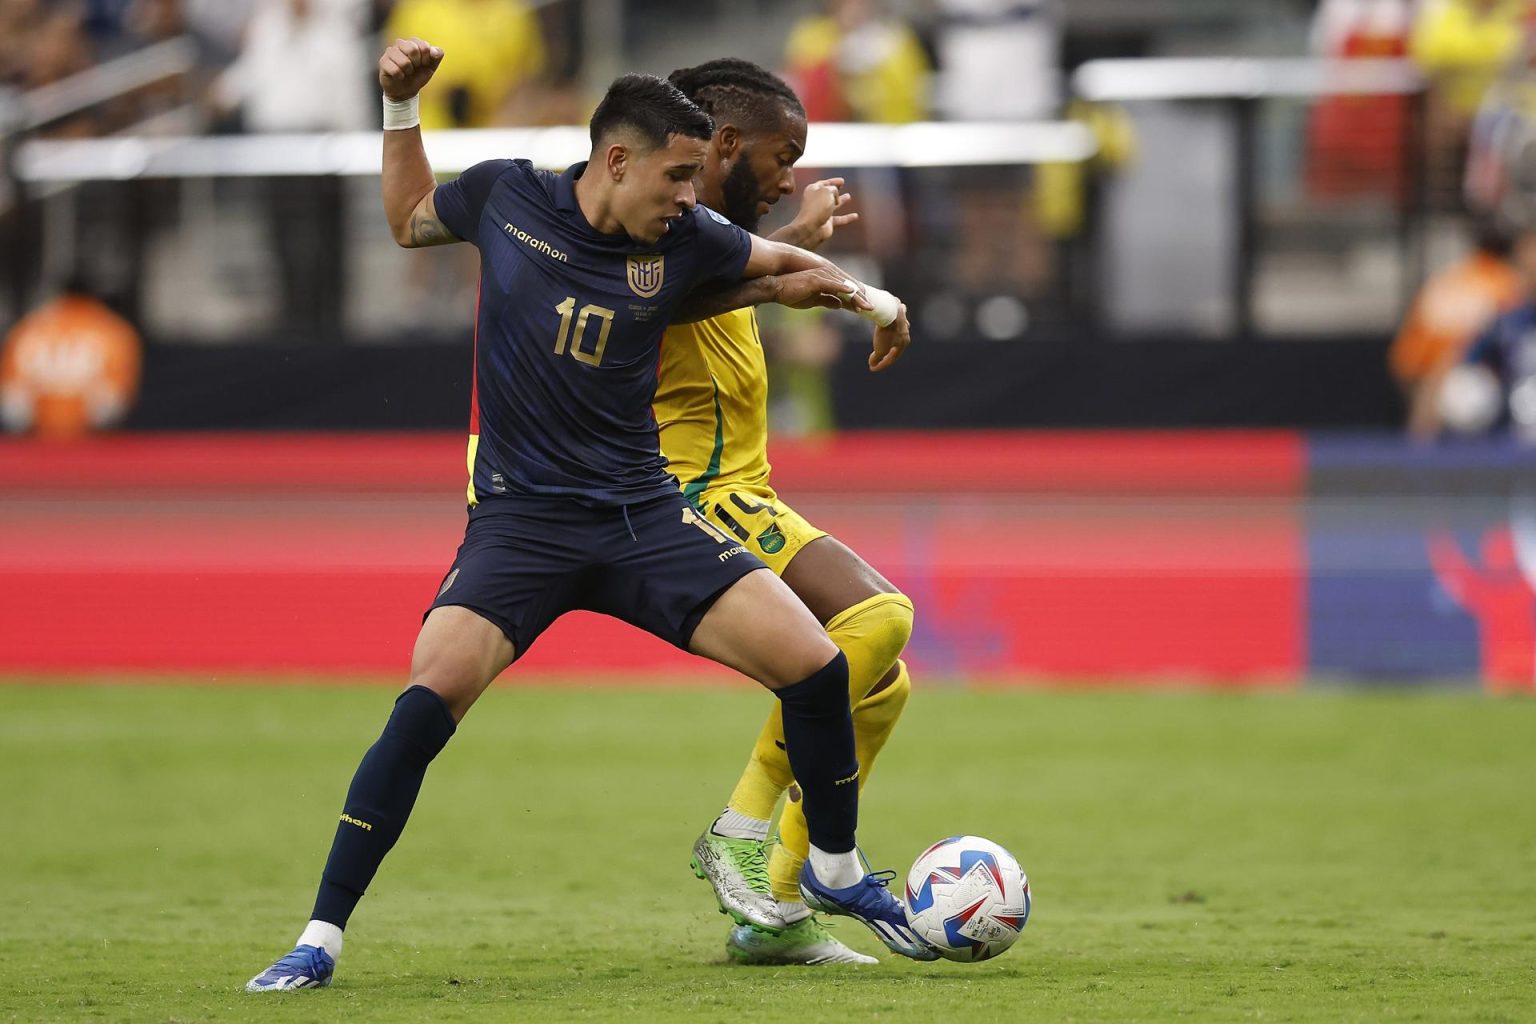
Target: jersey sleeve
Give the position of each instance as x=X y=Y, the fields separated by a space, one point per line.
x=460 y=201
x=723 y=249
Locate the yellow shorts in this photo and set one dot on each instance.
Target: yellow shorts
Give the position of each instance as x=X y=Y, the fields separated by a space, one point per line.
x=770 y=529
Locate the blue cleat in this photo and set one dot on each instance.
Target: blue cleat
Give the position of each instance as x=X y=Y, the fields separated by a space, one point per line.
x=870 y=903
x=305 y=967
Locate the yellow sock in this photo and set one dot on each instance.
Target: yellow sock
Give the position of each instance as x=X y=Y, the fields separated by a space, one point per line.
x=871 y=634
x=873 y=719
x=767 y=774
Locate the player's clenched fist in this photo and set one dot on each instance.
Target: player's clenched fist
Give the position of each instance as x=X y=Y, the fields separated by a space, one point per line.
x=406 y=66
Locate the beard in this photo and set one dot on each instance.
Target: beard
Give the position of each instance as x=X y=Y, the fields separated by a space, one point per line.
x=741 y=195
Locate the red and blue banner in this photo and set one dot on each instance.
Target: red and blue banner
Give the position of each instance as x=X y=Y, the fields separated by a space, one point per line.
x=1233 y=559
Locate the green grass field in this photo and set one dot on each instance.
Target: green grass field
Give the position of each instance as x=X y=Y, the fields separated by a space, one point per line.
x=1318 y=856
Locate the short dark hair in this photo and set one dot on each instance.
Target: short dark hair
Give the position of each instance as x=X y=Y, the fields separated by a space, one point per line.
x=652 y=108
x=733 y=90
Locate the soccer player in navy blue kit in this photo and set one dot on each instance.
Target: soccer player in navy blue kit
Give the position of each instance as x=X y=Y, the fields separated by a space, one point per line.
x=570 y=502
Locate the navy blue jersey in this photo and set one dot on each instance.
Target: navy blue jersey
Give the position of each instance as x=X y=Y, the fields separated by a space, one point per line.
x=1508 y=348
x=1508 y=345
x=568 y=333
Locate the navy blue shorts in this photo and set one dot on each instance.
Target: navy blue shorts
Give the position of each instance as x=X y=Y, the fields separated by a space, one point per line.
x=657 y=565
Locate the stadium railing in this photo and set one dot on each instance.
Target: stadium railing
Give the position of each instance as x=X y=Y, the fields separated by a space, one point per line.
x=45 y=105
x=1332 y=151
x=163 y=196
x=925 y=144
x=1282 y=208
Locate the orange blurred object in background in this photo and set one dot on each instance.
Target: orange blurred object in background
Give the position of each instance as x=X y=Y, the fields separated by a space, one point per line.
x=68 y=368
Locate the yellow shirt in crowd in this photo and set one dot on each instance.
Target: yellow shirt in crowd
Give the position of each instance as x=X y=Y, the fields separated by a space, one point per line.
x=491 y=47
x=1465 y=44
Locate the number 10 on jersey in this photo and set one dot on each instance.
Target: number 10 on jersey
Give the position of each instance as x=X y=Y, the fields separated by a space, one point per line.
x=575 y=338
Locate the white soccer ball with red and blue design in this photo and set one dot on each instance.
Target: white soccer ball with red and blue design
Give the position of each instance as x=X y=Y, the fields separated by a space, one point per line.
x=968 y=898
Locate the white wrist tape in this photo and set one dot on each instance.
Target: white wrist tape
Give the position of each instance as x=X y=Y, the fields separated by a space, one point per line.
x=400 y=114
x=886 y=305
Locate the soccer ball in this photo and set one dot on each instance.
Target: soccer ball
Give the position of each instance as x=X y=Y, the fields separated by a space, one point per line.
x=968 y=898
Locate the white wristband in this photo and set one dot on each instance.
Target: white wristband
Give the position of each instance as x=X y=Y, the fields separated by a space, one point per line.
x=886 y=305
x=401 y=114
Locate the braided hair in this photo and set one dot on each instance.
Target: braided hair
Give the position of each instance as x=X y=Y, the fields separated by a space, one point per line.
x=734 y=91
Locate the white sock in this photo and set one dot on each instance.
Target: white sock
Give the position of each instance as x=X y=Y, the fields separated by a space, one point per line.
x=732 y=825
x=836 y=870
x=793 y=910
x=326 y=936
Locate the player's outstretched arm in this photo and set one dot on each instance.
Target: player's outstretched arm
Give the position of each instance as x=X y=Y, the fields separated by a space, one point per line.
x=808 y=289
x=892 y=332
x=818 y=216
x=405 y=66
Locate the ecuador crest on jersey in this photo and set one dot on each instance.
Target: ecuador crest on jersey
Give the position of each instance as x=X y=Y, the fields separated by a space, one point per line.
x=645 y=274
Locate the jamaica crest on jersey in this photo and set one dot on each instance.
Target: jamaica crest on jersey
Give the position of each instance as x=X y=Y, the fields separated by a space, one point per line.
x=645 y=274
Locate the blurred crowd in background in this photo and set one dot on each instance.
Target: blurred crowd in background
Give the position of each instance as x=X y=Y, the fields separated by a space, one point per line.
x=1290 y=215
x=515 y=62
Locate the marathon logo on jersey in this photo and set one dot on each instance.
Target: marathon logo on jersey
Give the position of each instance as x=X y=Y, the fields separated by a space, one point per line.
x=645 y=274
x=448 y=582
x=536 y=244
x=732 y=553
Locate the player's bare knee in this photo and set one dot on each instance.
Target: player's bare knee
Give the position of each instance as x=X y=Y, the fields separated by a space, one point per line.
x=784 y=656
x=457 y=687
x=459 y=675
x=458 y=653
x=759 y=627
x=804 y=656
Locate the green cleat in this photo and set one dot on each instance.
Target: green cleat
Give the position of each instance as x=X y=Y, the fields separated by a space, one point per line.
x=807 y=941
x=738 y=870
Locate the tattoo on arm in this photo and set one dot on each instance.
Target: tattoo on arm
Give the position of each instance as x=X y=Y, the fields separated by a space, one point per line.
x=703 y=304
x=428 y=230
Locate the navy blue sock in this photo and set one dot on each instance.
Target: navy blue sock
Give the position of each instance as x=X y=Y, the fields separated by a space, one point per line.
x=818 y=737
x=380 y=800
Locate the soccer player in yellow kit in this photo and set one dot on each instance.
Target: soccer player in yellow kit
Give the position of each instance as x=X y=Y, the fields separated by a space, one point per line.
x=711 y=409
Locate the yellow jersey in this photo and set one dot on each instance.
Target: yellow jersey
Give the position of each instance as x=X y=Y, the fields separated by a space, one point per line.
x=712 y=405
